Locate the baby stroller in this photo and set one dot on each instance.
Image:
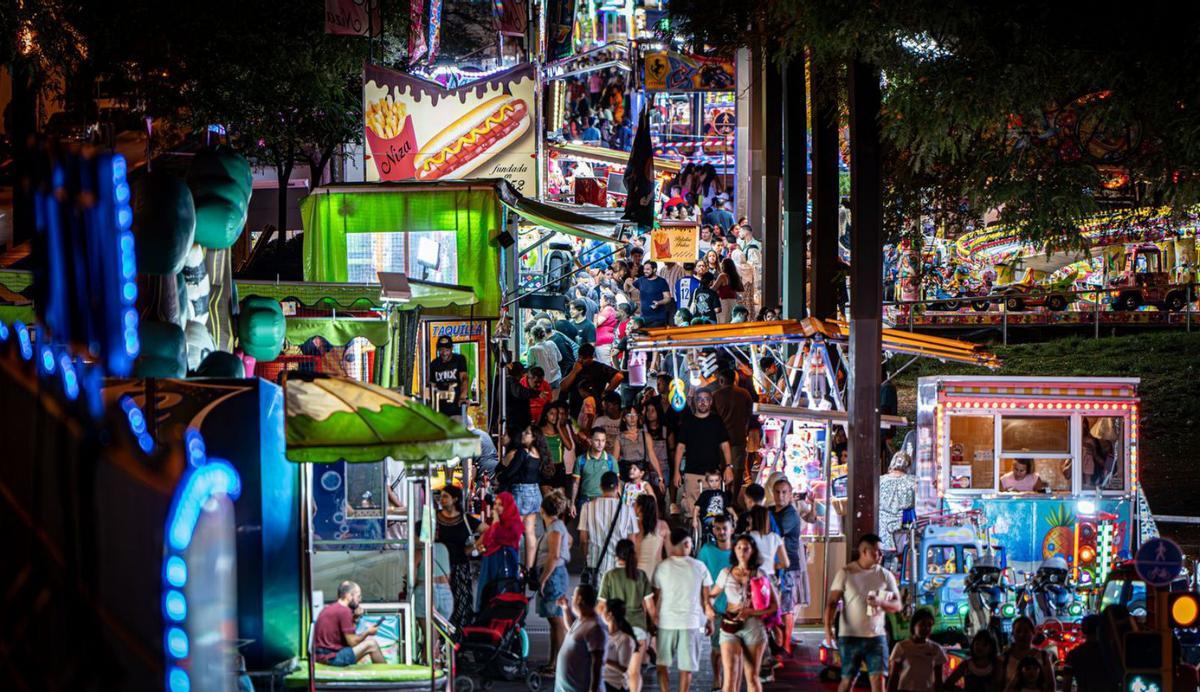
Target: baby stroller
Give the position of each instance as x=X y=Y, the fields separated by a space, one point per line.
x=495 y=646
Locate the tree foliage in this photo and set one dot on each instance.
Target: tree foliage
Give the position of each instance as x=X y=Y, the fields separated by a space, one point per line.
x=1043 y=111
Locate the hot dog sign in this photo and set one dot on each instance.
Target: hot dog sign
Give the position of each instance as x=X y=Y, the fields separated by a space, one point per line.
x=418 y=130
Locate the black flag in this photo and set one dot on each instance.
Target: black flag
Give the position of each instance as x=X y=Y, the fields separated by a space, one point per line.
x=639 y=175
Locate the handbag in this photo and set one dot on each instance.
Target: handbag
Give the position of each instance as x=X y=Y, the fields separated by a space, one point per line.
x=730 y=625
x=591 y=574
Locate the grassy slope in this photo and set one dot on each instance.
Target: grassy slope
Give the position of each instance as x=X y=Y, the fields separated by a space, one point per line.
x=1169 y=367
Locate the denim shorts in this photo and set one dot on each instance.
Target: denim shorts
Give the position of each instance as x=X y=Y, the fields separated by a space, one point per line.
x=528 y=497
x=856 y=651
x=556 y=588
x=752 y=633
x=344 y=657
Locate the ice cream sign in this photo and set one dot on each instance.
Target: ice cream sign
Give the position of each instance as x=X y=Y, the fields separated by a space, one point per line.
x=418 y=130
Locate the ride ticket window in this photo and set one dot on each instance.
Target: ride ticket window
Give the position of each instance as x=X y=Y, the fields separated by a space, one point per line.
x=1043 y=440
x=1102 y=452
x=971 y=456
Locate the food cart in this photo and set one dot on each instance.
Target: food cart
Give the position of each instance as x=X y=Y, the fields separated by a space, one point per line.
x=1079 y=434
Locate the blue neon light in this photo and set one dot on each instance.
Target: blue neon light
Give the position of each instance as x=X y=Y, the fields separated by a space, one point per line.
x=215 y=477
x=24 y=340
x=177 y=642
x=175 y=571
x=175 y=606
x=4 y=331
x=145 y=442
x=949 y=609
x=47 y=360
x=69 y=379
x=137 y=419
x=194 y=444
x=178 y=681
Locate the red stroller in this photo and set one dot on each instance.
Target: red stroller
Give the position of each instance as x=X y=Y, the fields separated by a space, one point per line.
x=495 y=646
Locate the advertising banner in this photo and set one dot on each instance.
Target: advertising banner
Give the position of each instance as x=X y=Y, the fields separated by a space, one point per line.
x=675 y=244
x=435 y=29
x=560 y=28
x=416 y=31
x=418 y=130
x=667 y=71
x=352 y=17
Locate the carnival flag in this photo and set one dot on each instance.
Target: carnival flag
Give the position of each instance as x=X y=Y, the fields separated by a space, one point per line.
x=435 y=29
x=416 y=31
x=639 y=176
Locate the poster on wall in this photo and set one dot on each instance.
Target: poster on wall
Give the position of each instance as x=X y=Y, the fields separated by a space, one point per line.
x=470 y=339
x=560 y=28
x=418 y=130
x=668 y=71
x=352 y=17
x=675 y=243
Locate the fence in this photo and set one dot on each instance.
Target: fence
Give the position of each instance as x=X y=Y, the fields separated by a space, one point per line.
x=1097 y=309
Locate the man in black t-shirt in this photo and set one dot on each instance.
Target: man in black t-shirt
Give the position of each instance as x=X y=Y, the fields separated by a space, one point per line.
x=448 y=375
x=705 y=441
x=600 y=378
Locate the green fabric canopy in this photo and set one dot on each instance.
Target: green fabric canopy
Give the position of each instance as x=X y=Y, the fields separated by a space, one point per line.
x=425 y=294
x=338 y=331
x=332 y=419
x=471 y=210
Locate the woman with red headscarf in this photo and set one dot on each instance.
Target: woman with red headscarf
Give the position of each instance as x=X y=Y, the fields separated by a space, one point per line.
x=498 y=544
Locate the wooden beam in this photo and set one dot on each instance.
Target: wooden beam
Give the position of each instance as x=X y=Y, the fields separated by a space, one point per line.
x=795 y=191
x=824 y=231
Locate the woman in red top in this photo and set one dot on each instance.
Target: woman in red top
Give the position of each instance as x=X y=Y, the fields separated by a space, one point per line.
x=606 y=325
x=728 y=287
x=498 y=544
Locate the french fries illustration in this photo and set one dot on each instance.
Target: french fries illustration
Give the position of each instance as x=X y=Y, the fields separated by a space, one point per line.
x=385 y=117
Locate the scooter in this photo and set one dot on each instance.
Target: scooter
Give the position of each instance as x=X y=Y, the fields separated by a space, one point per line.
x=987 y=602
x=1052 y=594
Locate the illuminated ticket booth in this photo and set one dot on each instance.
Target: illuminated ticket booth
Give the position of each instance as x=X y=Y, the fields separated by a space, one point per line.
x=1051 y=462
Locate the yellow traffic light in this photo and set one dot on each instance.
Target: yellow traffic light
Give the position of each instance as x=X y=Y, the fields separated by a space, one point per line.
x=1185 y=609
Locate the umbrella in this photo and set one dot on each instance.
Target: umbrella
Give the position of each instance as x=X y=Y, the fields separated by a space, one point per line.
x=334 y=419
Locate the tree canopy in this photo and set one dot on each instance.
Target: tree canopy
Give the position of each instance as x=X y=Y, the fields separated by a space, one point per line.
x=1045 y=112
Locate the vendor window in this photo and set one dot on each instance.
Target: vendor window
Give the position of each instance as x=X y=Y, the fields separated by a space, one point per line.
x=972 y=460
x=1041 y=447
x=941 y=559
x=1102 y=452
x=422 y=255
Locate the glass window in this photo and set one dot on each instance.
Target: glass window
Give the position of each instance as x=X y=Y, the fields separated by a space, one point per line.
x=365 y=492
x=969 y=555
x=1102 y=452
x=972 y=460
x=941 y=559
x=431 y=256
x=1029 y=434
x=1054 y=473
x=422 y=255
x=367 y=254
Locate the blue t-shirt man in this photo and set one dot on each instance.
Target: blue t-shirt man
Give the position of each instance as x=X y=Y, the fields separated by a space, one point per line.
x=651 y=288
x=590 y=134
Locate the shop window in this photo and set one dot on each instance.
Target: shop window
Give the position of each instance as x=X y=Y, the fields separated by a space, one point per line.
x=972 y=460
x=941 y=559
x=422 y=255
x=1054 y=473
x=1029 y=434
x=1102 y=452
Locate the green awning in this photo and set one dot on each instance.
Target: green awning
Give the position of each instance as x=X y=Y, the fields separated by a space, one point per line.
x=331 y=419
x=338 y=331
x=425 y=294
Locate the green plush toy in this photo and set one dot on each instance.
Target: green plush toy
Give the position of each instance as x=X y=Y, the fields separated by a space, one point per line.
x=163 y=351
x=221 y=182
x=221 y=364
x=164 y=223
x=261 y=328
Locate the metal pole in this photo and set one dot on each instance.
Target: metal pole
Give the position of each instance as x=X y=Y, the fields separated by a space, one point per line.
x=1189 y=307
x=427 y=555
x=1096 y=315
x=795 y=187
x=410 y=522
x=866 y=297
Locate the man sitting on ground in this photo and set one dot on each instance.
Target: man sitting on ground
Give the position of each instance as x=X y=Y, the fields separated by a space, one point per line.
x=335 y=641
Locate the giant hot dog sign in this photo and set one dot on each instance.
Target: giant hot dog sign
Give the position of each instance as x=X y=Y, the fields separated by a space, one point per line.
x=418 y=130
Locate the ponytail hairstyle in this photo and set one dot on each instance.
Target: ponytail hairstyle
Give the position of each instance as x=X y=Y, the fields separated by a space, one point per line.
x=628 y=554
x=616 y=609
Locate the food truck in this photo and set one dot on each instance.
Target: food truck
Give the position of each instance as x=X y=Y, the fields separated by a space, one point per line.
x=1052 y=463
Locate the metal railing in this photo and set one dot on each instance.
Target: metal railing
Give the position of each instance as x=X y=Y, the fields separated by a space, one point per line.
x=911 y=314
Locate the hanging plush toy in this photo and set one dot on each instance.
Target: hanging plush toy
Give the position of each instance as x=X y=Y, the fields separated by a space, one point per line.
x=221 y=183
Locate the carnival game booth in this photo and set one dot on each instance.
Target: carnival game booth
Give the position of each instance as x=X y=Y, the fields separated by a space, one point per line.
x=1081 y=500
x=800 y=403
x=366 y=458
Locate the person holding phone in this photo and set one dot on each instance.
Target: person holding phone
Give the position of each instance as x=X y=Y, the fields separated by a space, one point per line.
x=336 y=641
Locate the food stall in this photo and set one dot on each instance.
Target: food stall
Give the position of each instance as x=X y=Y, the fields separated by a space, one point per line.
x=1079 y=435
